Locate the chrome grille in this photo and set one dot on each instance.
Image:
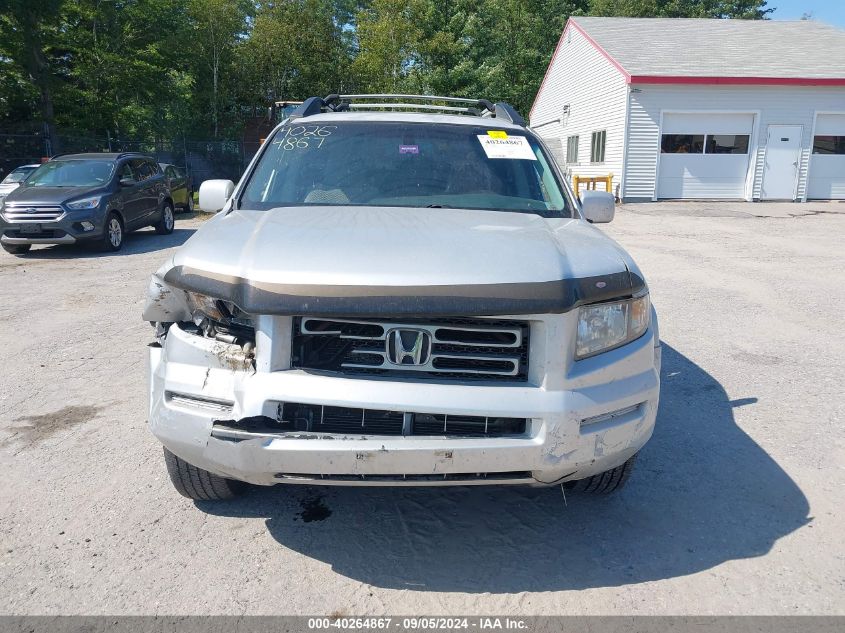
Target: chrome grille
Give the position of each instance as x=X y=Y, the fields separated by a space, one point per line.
x=32 y=213
x=458 y=348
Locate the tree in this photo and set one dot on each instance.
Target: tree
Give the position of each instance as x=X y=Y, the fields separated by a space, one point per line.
x=283 y=60
x=741 y=9
x=389 y=41
x=164 y=69
x=217 y=25
x=122 y=76
x=27 y=30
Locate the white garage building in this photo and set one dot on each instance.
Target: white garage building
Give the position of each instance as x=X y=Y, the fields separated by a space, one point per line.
x=699 y=109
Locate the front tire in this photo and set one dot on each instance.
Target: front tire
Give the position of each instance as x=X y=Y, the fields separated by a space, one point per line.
x=17 y=249
x=606 y=482
x=198 y=484
x=112 y=239
x=165 y=225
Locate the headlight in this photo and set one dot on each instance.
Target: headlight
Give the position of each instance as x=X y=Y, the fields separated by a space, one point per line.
x=605 y=326
x=223 y=313
x=85 y=203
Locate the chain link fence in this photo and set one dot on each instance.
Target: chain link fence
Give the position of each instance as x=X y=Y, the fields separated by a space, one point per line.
x=203 y=160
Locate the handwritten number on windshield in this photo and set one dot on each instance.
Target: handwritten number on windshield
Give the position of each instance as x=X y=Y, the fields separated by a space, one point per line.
x=303 y=136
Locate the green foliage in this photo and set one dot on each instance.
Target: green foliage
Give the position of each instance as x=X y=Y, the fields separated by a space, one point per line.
x=167 y=68
x=295 y=50
x=742 y=9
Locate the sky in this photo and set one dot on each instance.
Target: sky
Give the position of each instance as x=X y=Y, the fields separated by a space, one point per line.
x=829 y=11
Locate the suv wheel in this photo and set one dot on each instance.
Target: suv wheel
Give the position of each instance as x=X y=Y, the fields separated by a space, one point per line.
x=606 y=482
x=16 y=249
x=112 y=239
x=165 y=225
x=198 y=484
x=189 y=207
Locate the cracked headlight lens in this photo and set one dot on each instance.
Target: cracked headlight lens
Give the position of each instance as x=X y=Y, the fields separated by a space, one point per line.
x=204 y=308
x=605 y=326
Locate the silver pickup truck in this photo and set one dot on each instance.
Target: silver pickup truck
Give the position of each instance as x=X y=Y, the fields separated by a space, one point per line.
x=401 y=291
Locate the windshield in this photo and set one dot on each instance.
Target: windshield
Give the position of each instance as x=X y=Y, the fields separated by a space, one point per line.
x=17 y=175
x=71 y=173
x=405 y=164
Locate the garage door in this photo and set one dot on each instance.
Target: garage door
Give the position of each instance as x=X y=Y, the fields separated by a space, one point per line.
x=704 y=155
x=827 y=163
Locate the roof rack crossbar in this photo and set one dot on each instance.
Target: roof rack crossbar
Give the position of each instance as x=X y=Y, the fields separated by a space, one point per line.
x=413 y=97
x=383 y=101
x=412 y=106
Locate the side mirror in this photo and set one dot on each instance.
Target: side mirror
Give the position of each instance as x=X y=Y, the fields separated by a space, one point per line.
x=214 y=194
x=127 y=182
x=598 y=207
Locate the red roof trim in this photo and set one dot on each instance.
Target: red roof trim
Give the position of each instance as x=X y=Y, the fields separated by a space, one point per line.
x=548 y=70
x=604 y=53
x=738 y=81
x=572 y=23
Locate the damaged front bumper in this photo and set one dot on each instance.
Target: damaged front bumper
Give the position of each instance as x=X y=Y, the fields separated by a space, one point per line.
x=580 y=418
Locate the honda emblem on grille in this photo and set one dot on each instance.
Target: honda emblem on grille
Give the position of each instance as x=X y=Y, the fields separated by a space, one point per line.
x=408 y=347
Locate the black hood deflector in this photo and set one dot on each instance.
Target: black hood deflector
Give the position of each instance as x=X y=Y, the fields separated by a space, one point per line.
x=544 y=297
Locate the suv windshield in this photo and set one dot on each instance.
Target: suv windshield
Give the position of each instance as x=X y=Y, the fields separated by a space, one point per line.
x=405 y=165
x=17 y=175
x=71 y=173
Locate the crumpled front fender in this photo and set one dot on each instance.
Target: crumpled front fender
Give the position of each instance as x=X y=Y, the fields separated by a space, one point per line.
x=165 y=303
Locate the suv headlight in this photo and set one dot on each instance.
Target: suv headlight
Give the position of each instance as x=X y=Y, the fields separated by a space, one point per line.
x=85 y=203
x=605 y=326
x=221 y=313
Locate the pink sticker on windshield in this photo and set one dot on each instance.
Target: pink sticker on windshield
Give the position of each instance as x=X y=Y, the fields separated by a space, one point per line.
x=409 y=149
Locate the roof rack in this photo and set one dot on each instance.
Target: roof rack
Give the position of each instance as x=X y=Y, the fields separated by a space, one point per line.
x=117 y=154
x=425 y=103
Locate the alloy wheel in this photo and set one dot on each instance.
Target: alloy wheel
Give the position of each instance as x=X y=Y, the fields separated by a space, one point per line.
x=115 y=232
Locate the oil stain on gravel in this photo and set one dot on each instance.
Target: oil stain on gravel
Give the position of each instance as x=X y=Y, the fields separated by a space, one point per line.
x=313 y=509
x=38 y=428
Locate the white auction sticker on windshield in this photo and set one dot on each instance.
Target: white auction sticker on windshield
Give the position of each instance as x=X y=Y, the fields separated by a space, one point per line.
x=513 y=147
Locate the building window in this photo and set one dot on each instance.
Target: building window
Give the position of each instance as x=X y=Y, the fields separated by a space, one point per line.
x=682 y=144
x=727 y=143
x=572 y=150
x=829 y=145
x=705 y=143
x=597 y=148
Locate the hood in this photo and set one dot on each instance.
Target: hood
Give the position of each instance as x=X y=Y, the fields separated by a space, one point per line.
x=365 y=260
x=8 y=188
x=50 y=195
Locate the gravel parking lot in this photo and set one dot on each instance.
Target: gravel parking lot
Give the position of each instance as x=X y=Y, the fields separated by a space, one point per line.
x=737 y=505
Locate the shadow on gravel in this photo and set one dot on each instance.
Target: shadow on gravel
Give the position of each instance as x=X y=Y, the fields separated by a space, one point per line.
x=703 y=493
x=141 y=241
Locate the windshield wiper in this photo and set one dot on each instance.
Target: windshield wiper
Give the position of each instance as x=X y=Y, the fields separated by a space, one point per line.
x=439 y=206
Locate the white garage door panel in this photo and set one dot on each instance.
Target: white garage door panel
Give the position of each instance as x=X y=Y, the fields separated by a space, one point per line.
x=713 y=166
x=702 y=176
x=827 y=173
x=827 y=177
x=830 y=125
x=697 y=123
x=714 y=176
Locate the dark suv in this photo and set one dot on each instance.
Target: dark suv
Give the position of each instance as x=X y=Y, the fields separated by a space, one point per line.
x=93 y=198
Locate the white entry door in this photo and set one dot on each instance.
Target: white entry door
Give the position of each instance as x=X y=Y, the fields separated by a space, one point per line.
x=783 y=156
